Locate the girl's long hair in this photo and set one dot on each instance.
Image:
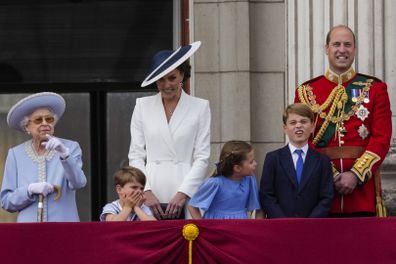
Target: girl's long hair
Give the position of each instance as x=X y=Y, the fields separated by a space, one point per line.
x=232 y=153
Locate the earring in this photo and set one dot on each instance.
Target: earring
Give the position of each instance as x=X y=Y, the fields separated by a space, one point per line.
x=181 y=85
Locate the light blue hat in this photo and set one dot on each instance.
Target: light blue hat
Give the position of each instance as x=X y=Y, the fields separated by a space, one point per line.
x=29 y=104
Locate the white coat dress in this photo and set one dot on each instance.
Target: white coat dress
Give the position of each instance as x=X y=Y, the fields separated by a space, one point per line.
x=173 y=156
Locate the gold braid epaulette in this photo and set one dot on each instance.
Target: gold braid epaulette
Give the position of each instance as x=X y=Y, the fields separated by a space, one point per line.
x=337 y=98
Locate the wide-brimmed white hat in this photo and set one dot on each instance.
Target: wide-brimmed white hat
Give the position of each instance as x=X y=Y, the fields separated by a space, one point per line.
x=26 y=106
x=166 y=61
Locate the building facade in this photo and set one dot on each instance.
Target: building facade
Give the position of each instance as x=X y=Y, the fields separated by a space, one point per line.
x=255 y=53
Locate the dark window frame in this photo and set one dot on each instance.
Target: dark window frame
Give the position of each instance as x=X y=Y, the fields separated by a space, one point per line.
x=98 y=92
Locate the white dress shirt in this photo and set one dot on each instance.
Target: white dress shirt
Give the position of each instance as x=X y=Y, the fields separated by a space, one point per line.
x=295 y=155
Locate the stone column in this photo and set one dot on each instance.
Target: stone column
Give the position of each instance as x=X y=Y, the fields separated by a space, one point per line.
x=222 y=68
x=389 y=64
x=267 y=76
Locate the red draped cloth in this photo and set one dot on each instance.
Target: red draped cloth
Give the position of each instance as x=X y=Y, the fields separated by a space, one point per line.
x=357 y=240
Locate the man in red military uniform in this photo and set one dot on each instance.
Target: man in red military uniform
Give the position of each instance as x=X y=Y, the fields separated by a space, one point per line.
x=353 y=126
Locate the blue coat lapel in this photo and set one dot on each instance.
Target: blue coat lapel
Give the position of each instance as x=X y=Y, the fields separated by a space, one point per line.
x=287 y=165
x=310 y=163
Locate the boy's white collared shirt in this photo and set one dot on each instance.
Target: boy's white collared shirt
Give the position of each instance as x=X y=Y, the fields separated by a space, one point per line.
x=295 y=155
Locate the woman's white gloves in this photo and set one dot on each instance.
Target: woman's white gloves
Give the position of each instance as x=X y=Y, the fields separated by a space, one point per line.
x=43 y=188
x=54 y=143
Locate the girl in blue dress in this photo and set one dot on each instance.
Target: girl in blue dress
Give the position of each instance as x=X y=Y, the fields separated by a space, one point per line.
x=231 y=192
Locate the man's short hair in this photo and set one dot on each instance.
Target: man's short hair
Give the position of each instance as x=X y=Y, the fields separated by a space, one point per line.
x=336 y=27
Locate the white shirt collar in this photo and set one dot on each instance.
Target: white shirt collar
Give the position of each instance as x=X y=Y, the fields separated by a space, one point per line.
x=293 y=148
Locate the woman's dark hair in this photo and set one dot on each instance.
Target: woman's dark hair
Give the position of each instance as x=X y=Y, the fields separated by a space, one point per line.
x=232 y=153
x=185 y=68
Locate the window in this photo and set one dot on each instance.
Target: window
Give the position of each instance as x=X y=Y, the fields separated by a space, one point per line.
x=95 y=54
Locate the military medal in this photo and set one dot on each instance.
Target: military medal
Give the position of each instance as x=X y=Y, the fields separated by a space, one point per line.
x=366 y=99
x=362 y=113
x=354 y=94
x=363 y=132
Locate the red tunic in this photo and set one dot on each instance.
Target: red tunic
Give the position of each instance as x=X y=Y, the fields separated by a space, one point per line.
x=378 y=124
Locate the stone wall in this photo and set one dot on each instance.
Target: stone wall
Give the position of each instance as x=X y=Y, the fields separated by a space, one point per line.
x=389 y=180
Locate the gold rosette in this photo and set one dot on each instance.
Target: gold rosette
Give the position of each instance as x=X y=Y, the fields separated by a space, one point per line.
x=190 y=233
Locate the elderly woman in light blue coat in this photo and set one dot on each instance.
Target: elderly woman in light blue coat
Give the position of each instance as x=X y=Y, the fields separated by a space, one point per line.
x=42 y=174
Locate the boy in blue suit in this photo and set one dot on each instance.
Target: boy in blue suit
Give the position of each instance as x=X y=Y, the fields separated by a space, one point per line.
x=297 y=180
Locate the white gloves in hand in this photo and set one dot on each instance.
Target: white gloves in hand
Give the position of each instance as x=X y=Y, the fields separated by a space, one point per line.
x=56 y=144
x=43 y=188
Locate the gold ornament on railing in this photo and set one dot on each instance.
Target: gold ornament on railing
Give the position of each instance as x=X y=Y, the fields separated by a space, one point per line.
x=190 y=233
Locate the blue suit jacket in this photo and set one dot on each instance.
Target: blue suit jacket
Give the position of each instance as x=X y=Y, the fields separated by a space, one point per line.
x=280 y=195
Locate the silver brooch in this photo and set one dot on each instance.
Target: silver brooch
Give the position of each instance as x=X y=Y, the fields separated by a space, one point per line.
x=362 y=112
x=363 y=132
